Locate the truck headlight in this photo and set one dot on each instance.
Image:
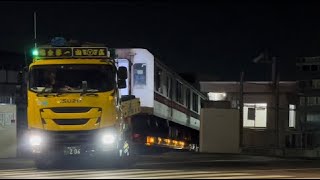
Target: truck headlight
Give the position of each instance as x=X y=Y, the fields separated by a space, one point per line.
x=35 y=140
x=108 y=138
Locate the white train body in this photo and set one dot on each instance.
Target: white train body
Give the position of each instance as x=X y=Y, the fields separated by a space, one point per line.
x=150 y=81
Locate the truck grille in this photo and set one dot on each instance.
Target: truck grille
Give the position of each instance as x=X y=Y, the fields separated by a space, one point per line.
x=72 y=137
x=70 y=121
x=70 y=109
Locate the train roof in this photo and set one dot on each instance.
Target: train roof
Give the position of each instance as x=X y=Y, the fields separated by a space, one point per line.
x=170 y=70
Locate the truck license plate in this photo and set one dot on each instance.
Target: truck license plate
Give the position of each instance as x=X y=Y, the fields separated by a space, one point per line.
x=72 y=150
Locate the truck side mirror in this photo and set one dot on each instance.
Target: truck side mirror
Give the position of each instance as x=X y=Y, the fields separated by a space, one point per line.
x=122 y=72
x=122 y=83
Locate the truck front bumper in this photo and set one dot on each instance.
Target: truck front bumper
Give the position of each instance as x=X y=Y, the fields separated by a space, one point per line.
x=73 y=143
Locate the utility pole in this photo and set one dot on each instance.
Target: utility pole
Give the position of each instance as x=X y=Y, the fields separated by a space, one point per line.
x=35 y=28
x=241 y=110
x=276 y=89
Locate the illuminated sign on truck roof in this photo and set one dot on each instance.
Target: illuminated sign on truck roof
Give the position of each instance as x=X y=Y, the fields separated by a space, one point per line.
x=72 y=52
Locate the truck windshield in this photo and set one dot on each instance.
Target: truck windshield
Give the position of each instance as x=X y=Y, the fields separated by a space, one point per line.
x=72 y=78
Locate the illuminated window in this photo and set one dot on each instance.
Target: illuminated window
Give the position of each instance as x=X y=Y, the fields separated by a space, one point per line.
x=292 y=115
x=255 y=115
x=213 y=96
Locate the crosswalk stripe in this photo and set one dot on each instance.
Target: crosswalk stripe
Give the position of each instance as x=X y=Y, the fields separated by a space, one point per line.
x=140 y=174
x=84 y=172
x=256 y=177
x=192 y=175
x=155 y=175
x=32 y=173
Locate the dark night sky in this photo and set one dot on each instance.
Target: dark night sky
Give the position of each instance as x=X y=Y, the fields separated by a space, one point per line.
x=216 y=38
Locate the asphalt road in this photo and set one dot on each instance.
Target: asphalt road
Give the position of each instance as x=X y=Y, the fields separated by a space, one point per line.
x=172 y=165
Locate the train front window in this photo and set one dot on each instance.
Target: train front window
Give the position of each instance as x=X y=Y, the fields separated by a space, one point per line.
x=139 y=74
x=72 y=78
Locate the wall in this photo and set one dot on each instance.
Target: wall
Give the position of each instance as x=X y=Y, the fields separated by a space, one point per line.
x=267 y=137
x=219 y=130
x=8 y=131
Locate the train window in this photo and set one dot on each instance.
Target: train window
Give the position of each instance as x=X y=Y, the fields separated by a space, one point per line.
x=158 y=80
x=169 y=87
x=164 y=84
x=139 y=74
x=179 y=98
x=188 y=98
x=195 y=102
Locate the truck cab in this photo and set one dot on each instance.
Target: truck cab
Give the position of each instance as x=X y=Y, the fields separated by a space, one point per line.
x=74 y=106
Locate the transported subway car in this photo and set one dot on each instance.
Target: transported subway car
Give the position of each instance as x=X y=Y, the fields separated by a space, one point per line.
x=170 y=106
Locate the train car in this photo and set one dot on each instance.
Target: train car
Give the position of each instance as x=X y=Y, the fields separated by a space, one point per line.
x=170 y=106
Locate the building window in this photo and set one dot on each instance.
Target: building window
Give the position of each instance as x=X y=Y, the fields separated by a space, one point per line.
x=292 y=116
x=195 y=102
x=255 y=115
x=298 y=68
x=313 y=119
x=311 y=101
x=302 y=101
x=316 y=83
x=314 y=68
x=214 y=96
x=139 y=74
x=306 y=68
x=251 y=114
x=158 y=80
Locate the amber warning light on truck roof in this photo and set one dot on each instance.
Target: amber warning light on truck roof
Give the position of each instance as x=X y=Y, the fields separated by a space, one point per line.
x=70 y=52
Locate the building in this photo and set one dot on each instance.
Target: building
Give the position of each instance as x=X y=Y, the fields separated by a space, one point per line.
x=262 y=128
x=13 y=122
x=308 y=73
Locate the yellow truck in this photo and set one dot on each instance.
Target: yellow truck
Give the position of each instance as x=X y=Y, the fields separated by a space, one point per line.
x=74 y=105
